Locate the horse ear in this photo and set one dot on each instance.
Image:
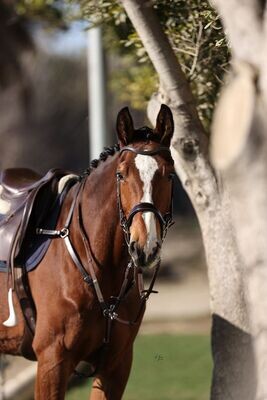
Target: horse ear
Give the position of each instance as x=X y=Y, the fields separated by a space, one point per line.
x=125 y=128
x=164 y=125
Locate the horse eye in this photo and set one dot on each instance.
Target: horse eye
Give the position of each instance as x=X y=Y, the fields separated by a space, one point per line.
x=119 y=175
x=171 y=176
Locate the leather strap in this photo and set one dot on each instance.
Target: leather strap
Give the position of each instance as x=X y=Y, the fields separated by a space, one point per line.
x=64 y=234
x=90 y=261
x=145 y=207
x=145 y=152
x=77 y=261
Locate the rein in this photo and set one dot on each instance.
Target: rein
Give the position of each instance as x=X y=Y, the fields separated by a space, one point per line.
x=109 y=309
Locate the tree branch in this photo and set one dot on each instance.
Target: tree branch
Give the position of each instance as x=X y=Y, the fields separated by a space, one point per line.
x=174 y=85
x=198 y=41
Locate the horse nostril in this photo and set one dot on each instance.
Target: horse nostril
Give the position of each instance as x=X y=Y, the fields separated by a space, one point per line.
x=136 y=251
x=158 y=246
x=132 y=247
x=156 y=249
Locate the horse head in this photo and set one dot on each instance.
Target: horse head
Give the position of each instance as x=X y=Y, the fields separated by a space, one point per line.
x=144 y=173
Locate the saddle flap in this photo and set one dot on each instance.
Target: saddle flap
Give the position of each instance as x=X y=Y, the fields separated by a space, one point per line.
x=7 y=234
x=22 y=192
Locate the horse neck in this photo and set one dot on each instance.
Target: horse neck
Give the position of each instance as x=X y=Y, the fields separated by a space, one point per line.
x=101 y=216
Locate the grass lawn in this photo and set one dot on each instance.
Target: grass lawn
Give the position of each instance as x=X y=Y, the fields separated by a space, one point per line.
x=166 y=367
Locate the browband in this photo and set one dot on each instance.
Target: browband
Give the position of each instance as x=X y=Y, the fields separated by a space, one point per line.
x=145 y=152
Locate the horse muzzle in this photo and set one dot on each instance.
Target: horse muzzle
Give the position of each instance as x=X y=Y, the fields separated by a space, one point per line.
x=142 y=258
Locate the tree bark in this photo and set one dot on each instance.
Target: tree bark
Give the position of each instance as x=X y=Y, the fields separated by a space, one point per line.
x=231 y=343
x=242 y=20
x=247 y=173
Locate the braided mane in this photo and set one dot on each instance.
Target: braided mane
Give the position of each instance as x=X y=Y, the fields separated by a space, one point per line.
x=142 y=134
x=108 y=151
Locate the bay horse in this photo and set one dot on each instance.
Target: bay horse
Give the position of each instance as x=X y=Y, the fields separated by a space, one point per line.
x=87 y=290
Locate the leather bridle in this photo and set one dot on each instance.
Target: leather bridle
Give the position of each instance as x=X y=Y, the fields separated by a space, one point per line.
x=165 y=221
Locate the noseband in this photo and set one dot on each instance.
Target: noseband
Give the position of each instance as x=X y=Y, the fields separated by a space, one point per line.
x=165 y=221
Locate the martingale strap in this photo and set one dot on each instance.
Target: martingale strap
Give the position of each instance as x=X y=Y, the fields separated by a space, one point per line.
x=109 y=310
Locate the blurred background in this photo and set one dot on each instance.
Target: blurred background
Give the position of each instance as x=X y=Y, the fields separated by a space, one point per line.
x=46 y=121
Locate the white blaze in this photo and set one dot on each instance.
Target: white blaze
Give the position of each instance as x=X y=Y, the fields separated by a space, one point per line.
x=147 y=166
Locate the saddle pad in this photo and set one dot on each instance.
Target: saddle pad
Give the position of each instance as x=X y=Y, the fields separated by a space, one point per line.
x=3 y=267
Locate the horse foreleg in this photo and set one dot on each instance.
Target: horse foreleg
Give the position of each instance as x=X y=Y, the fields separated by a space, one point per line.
x=111 y=383
x=52 y=376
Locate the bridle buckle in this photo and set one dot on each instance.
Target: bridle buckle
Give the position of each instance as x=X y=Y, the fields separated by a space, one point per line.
x=64 y=233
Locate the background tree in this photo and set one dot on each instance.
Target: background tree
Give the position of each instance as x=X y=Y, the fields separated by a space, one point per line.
x=197 y=38
x=43 y=94
x=241 y=155
x=207 y=187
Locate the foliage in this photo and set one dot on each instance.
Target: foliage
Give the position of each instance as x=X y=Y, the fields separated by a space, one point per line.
x=192 y=26
x=165 y=367
x=197 y=38
x=50 y=11
x=139 y=81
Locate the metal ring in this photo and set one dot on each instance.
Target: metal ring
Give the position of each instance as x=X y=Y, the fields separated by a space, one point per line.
x=64 y=233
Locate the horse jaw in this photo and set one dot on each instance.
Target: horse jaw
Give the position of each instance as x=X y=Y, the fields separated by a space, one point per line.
x=12 y=319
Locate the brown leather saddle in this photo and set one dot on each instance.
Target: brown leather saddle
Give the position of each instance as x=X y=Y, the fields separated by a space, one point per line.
x=27 y=201
x=19 y=188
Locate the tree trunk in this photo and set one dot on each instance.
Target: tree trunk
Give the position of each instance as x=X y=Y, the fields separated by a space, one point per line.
x=247 y=172
x=231 y=343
